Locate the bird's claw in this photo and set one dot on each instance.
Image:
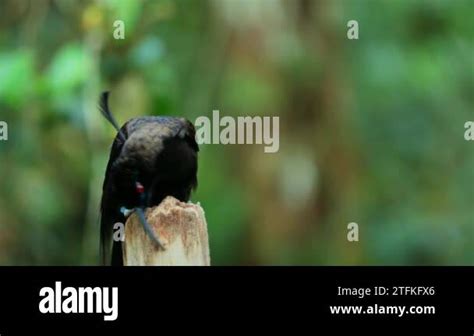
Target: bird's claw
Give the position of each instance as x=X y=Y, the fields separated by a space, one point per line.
x=148 y=230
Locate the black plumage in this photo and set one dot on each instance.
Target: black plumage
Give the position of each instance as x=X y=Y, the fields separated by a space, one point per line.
x=157 y=155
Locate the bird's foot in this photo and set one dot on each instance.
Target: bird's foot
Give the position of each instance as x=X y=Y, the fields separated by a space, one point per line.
x=141 y=216
x=126 y=212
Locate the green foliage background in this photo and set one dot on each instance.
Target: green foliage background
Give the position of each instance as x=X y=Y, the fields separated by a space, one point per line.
x=371 y=130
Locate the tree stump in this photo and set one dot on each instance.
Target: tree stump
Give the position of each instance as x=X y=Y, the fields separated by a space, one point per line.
x=181 y=228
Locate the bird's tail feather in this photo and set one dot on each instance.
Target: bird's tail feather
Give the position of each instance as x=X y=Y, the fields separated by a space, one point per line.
x=104 y=109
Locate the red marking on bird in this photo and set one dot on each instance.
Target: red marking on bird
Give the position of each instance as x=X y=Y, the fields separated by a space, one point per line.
x=140 y=188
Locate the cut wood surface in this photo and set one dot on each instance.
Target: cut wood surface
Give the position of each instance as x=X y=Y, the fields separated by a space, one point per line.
x=182 y=230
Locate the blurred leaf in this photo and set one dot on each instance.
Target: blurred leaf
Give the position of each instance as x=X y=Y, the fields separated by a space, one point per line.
x=147 y=52
x=69 y=69
x=17 y=77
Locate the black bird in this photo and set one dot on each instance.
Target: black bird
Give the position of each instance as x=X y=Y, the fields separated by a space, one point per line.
x=151 y=158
